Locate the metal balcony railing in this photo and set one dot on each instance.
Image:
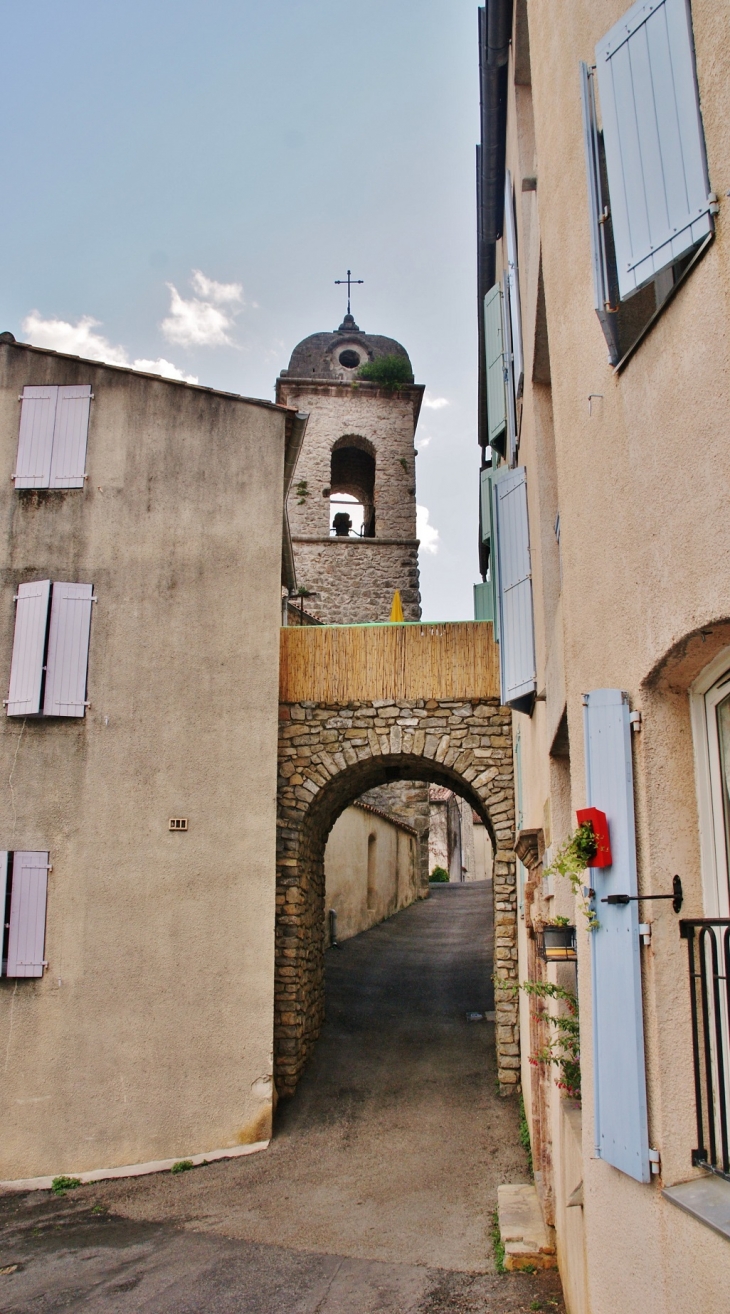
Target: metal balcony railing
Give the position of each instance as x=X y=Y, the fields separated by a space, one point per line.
x=708 y=944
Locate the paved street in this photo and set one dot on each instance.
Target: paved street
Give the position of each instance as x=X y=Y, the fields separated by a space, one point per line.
x=377 y=1191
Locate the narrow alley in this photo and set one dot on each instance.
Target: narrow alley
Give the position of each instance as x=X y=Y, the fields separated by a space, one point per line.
x=378 y=1187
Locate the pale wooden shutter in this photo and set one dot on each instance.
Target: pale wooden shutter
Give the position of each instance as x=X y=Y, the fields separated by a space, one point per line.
x=26 y=670
x=68 y=461
x=513 y=276
x=514 y=583
x=619 y=1077
x=35 y=438
x=496 y=401
x=28 y=894
x=68 y=650
x=597 y=215
x=655 y=150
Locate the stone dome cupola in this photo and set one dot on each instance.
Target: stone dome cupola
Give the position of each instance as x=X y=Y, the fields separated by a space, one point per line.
x=337 y=357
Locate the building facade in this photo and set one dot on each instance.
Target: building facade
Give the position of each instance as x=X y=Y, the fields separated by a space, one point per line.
x=604 y=282
x=140 y=618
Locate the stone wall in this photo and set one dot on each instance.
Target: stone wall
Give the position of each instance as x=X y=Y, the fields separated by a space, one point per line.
x=355 y=578
x=328 y=757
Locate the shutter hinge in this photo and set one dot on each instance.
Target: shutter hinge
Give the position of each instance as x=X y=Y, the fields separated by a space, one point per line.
x=645 y=932
x=635 y=721
x=714 y=206
x=87 y=704
x=655 y=1159
x=94 y=598
x=49 y=867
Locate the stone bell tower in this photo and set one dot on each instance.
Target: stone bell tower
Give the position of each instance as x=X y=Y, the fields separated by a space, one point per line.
x=359 y=442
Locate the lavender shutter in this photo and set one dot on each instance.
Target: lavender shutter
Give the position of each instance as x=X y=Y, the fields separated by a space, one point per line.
x=510 y=231
x=68 y=650
x=509 y=375
x=655 y=150
x=28 y=914
x=619 y=1077
x=35 y=439
x=26 y=669
x=514 y=586
x=494 y=349
x=68 y=461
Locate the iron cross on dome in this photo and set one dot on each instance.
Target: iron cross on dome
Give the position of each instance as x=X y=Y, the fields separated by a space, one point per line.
x=349 y=280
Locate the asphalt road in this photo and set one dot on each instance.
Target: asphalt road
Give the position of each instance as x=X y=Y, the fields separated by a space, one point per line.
x=376 y=1194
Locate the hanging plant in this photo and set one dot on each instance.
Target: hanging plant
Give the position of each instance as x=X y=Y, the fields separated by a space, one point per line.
x=563 y=1047
x=574 y=855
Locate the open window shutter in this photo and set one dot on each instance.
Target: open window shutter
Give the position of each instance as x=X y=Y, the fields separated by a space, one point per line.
x=516 y=626
x=510 y=230
x=509 y=377
x=618 y=1031
x=68 y=650
x=35 y=439
x=496 y=402
x=28 y=914
x=596 y=211
x=68 y=462
x=655 y=150
x=26 y=670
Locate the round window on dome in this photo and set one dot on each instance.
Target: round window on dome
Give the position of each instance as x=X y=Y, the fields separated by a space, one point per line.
x=349 y=359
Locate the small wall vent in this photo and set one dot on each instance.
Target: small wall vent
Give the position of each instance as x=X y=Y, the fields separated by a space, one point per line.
x=178 y=823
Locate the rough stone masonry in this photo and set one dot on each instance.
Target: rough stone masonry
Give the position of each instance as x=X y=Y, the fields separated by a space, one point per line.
x=328 y=756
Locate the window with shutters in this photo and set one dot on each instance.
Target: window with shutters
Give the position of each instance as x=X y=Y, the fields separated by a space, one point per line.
x=619 y=1076
x=23 y=896
x=48 y=669
x=54 y=425
x=513 y=587
x=649 y=200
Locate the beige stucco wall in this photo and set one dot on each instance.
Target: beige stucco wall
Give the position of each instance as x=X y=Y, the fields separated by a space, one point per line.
x=641 y=486
x=367 y=881
x=150 y=1035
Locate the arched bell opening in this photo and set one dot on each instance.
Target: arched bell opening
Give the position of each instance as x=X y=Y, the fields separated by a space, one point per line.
x=352 y=476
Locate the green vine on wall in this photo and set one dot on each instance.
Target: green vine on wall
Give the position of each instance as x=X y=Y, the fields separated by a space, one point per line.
x=571 y=860
x=563 y=1047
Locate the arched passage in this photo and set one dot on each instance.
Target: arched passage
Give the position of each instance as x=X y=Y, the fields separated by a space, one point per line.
x=328 y=756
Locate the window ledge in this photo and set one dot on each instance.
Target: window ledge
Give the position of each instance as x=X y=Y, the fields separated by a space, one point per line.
x=706 y=1199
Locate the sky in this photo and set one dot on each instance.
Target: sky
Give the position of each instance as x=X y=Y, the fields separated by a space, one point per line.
x=185 y=181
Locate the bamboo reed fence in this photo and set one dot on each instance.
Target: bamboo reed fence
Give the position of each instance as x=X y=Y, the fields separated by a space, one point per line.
x=339 y=664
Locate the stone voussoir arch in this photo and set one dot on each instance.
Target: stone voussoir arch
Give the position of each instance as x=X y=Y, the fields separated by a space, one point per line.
x=329 y=754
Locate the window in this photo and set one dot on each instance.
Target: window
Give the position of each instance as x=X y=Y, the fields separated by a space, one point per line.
x=54 y=424
x=710 y=706
x=650 y=207
x=23 y=892
x=50 y=649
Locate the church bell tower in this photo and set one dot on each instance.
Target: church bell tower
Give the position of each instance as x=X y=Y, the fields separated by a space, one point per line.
x=352 y=506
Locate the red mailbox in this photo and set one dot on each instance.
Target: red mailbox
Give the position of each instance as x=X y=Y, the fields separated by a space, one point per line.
x=599 y=822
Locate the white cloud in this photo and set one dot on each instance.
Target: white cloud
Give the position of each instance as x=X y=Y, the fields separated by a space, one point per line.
x=201 y=321
x=75 y=339
x=435 y=403
x=81 y=340
x=219 y=293
x=423 y=442
x=165 y=368
x=428 y=534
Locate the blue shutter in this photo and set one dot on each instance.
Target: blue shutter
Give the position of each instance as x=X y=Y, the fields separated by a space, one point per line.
x=513 y=278
x=619 y=1075
x=27 y=934
x=514 y=589
x=494 y=347
x=655 y=150
x=596 y=213
x=509 y=374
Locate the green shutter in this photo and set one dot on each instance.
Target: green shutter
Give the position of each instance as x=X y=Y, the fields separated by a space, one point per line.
x=496 y=404
x=483 y=602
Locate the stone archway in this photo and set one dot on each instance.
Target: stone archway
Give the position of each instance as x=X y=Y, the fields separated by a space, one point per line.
x=329 y=754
